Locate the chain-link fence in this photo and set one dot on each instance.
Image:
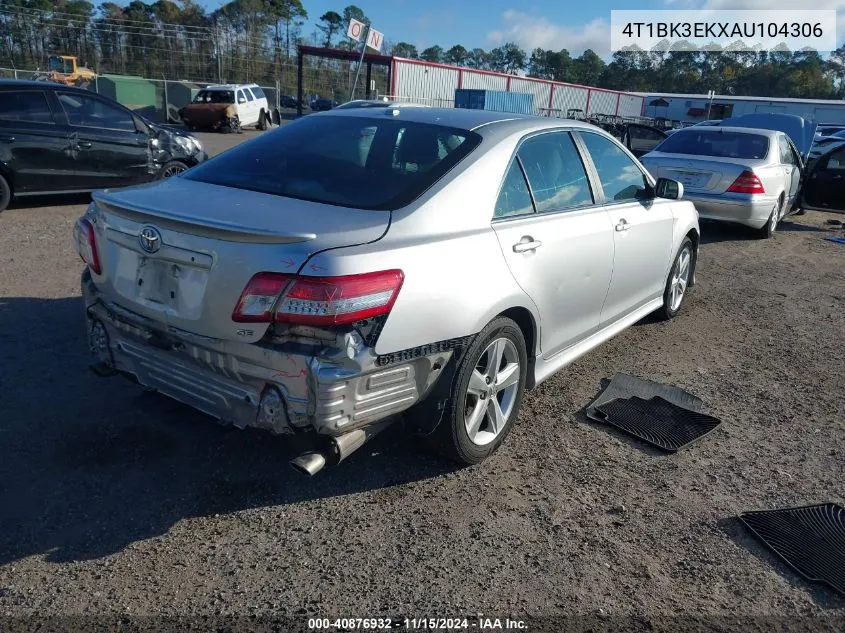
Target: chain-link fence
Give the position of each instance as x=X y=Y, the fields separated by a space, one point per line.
x=159 y=99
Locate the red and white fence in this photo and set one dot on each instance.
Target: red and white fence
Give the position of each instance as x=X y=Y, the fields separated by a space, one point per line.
x=435 y=84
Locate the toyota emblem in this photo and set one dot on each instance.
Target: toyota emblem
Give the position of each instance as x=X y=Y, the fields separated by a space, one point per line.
x=150 y=239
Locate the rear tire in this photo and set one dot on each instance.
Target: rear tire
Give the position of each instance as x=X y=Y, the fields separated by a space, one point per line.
x=5 y=193
x=262 y=121
x=485 y=395
x=771 y=226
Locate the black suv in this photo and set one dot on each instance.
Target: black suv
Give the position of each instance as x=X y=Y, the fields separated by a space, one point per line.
x=58 y=139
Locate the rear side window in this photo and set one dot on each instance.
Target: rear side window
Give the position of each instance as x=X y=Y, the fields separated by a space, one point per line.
x=514 y=198
x=718 y=143
x=258 y=92
x=555 y=172
x=359 y=162
x=621 y=178
x=248 y=94
x=25 y=106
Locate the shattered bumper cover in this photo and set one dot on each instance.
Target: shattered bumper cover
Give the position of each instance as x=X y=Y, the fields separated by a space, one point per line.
x=332 y=389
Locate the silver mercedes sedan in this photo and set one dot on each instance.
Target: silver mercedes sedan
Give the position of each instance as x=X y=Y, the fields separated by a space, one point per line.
x=310 y=285
x=746 y=170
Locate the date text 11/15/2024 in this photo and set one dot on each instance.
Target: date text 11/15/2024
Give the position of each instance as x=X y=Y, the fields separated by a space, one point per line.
x=416 y=624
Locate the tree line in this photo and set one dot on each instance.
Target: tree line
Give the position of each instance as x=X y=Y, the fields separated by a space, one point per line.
x=256 y=40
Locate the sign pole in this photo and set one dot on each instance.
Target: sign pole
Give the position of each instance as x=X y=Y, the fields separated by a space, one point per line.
x=360 y=61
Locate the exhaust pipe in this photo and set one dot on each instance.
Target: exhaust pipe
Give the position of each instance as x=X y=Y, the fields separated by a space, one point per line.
x=309 y=463
x=340 y=448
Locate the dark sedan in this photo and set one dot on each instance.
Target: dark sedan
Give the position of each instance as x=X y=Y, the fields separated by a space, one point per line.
x=58 y=139
x=323 y=105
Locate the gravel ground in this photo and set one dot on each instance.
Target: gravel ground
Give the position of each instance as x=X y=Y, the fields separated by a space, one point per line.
x=127 y=504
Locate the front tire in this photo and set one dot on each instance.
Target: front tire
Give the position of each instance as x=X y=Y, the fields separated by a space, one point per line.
x=486 y=394
x=173 y=168
x=233 y=125
x=678 y=280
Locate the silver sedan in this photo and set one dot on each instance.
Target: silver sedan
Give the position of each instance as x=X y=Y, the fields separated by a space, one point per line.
x=309 y=284
x=746 y=170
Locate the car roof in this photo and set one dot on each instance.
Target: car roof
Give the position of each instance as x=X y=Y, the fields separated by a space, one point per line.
x=462 y=118
x=27 y=83
x=229 y=86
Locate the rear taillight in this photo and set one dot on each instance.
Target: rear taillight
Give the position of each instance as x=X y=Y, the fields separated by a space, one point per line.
x=747 y=182
x=86 y=244
x=319 y=301
x=259 y=297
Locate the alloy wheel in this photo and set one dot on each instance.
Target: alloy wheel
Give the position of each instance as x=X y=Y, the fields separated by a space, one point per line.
x=680 y=278
x=172 y=170
x=492 y=392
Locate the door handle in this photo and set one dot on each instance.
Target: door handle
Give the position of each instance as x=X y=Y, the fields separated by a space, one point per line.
x=84 y=145
x=7 y=139
x=623 y=225
x=526 y=244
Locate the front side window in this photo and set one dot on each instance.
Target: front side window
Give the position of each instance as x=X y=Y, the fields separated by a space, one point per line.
x=514 y=198
x=241 y=98
x=86 y=111
x=359 y=162
x=25 y=106
x=621 y=178
x=555 y=172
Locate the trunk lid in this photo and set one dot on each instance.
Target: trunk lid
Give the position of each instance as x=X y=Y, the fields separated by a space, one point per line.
x=697 y=173
x=181 y=252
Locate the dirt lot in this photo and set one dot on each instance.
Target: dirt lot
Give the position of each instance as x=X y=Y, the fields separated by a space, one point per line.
x=115 y=502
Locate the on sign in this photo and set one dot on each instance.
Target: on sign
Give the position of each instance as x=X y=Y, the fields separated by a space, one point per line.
x=355 y=30
x=375 y=39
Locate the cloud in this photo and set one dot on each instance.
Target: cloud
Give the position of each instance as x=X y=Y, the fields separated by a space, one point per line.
x=768 y=5
x=532 y=31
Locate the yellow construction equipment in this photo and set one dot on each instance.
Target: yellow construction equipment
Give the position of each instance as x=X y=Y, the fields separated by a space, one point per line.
x=64 y=69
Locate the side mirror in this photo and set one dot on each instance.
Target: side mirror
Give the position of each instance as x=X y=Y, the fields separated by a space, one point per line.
x=667 y=188
x=140 y=126
x=241 y=100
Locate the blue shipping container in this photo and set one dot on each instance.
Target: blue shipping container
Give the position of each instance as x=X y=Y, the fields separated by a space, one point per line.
x=496 y=100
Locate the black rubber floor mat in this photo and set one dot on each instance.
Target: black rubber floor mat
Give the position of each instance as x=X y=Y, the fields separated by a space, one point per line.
x=810 y=539
x=657 y=421
x=626 y=386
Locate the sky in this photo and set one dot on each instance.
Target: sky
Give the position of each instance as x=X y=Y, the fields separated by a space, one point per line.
x=571 y=24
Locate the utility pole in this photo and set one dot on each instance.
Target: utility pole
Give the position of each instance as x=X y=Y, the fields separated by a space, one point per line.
x=219 y=49
x=360 y=61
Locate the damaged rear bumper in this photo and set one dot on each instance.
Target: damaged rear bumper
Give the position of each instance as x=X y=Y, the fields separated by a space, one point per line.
x=284 y=386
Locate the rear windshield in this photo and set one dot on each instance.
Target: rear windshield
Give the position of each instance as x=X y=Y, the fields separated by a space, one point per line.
x=719 y=143
x=215 y=96
x=366 y=163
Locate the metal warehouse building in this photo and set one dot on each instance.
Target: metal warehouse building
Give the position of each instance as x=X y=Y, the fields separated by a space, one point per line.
x=693 y=108
x=435 y=84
